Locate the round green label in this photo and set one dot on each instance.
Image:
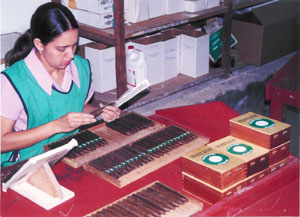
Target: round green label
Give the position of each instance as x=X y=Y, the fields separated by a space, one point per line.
x=215 y=159
x=261 y=123
x=239 y=149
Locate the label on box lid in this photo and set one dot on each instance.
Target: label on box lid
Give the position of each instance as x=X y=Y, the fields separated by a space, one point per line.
x=213 y=159
x=260 y=123
x=239 y=148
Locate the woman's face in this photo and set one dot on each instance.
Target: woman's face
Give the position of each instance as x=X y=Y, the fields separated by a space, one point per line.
x=58 y=53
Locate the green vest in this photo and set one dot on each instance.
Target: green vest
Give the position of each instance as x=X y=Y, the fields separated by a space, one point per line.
x=42 y=108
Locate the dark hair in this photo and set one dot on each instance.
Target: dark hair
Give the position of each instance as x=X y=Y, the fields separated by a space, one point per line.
x=48 y=21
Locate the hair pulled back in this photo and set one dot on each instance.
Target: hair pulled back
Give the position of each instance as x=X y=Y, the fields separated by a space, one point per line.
x=48 y=21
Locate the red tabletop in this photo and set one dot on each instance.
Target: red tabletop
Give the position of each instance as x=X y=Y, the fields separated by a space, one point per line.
x=267 y=196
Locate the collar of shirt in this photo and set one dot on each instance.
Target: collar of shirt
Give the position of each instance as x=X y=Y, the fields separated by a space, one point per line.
x=43 y=77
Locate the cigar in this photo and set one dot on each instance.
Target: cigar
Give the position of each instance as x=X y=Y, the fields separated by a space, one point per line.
x=170 y=193
x=147 y=207
x=158 y=210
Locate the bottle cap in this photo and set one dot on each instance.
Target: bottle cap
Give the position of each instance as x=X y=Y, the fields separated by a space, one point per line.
x=130 y=47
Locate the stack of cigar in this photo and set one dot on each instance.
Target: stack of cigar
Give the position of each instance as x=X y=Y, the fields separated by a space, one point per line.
x=256 y=146
x=103 y=138
x=140 y=157
x=129 y=157
x=156 y=199
x=130 y=124
x=87 y=142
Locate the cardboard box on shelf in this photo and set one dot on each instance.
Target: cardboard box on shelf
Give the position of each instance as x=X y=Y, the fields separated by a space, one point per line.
x=194 y=53
x=152 y=46
x=82 y=4
x=82 y=16
x=157 y=8
x=101 y=20
x=267 y=32
x=174 y=6
x=102 y=60
x=171 y=56
x=136 y=10
x=100 y=6
x=212 y=3
x=194 y=5
x=174 y=33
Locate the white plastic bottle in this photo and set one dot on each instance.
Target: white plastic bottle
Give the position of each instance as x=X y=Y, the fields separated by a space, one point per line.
x=136 y=67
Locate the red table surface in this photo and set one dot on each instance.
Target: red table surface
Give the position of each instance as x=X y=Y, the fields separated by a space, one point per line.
x=275 y=195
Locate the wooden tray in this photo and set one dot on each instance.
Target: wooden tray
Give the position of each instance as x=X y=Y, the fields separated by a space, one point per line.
x=114 y=140
x=188 y=208
x=150 y=166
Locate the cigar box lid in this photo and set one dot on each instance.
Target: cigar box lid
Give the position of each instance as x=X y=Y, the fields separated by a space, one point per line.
x=259 y=123
x=238 y=148
x=213 y=159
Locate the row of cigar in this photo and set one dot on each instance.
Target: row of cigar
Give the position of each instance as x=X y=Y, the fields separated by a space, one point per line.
x=130 y=124
x=87 y=142
x=130 y=157
x=155 y=200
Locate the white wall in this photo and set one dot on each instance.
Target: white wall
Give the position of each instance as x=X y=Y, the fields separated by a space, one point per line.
x=16 y=14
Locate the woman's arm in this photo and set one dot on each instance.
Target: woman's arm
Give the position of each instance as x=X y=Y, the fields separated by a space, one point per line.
x=11 y=140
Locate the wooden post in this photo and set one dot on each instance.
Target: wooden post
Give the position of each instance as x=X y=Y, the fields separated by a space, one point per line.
x=226 y=34
x=119 y=34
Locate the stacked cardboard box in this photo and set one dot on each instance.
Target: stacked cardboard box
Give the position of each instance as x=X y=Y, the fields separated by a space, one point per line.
x=167 y=54
x=102 y=60
x=141 y=10
x=199 y=5
x=97 y=13
x=256 y=146
x=174 y=51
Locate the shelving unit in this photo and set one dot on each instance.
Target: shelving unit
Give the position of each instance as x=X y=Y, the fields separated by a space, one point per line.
x=120 y=33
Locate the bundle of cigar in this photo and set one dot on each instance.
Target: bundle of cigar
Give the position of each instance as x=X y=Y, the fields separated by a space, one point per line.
x=87 y=142
x=144 y=155
x=154 y=200
x=130 y=124
x=130 y=157
x=103 y=138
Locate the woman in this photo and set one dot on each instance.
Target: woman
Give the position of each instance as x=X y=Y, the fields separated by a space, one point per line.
x=46 y=87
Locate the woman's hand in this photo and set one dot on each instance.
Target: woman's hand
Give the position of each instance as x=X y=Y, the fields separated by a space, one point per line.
x=72 y=121
x=110 y=113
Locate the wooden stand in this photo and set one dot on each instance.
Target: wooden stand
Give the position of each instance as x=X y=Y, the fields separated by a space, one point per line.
x=36 y=181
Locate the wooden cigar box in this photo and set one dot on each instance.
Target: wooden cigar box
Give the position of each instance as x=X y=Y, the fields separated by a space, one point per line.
x=210 y=193
x=260 y=130
x=257 y=157
x=279 y=153
x=278 y=165
x=251 y=179
x=214 y=166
